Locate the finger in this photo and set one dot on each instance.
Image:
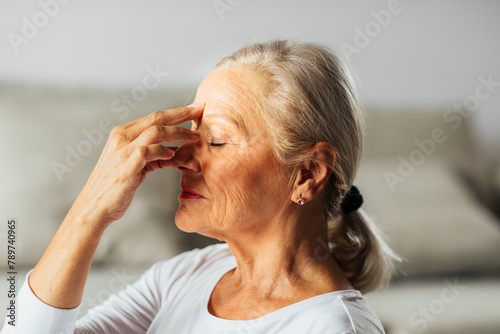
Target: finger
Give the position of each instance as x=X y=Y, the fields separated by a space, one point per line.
x=157 y=134
x=169 y=162
x=163 y=163
x=183 y=114
x=166 y=117
x=157 y=164
x=173 y=148
x=142 y=155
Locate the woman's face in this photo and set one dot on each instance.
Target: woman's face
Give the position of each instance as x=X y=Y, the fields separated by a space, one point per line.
x=233 y=165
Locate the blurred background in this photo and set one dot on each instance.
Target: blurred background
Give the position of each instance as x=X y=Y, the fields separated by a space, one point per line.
x=429 y=77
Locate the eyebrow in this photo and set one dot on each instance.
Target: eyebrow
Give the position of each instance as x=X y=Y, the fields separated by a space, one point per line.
x=216 y=113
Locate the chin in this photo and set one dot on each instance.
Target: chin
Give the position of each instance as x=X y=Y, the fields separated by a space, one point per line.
x=183 y=222
x=187 y=222
x=190 y=224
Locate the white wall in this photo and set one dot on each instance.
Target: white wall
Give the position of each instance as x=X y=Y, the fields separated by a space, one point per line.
x=430 y=53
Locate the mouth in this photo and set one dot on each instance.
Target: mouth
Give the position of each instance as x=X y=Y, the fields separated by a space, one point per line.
x=189 y=193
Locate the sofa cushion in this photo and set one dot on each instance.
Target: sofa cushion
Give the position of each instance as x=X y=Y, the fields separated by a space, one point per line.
x=458 y=305
x=431 y=219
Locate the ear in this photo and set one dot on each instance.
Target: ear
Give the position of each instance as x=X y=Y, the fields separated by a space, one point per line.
x=315 y=172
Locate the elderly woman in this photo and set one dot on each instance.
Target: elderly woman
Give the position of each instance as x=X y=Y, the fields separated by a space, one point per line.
x=267 y=168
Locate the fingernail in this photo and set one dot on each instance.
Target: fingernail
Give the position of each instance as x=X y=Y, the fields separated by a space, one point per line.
x=196 y=105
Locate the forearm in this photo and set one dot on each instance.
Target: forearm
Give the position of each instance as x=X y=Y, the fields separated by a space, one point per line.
x=59 y=277
x=132 y=151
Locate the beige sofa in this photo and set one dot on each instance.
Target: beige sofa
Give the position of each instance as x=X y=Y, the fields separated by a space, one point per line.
x=412 y=178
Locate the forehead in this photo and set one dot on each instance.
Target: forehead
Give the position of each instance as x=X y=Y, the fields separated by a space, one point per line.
x=231 y=94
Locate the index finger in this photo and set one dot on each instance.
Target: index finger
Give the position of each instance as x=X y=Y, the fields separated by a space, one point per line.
x=166 y=117
x=182 y=114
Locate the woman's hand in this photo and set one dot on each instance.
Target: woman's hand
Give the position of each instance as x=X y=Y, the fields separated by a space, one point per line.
x=132 y=151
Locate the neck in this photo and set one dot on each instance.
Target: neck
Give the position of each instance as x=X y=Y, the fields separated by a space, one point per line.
x=284 y=255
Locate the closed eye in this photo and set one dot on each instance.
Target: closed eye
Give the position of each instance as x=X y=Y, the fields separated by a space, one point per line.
x=216 y=144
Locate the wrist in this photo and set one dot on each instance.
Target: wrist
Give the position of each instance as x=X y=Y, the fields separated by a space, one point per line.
x=87 y=218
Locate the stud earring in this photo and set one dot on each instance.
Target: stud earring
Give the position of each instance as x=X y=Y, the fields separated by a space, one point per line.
x=300 y=201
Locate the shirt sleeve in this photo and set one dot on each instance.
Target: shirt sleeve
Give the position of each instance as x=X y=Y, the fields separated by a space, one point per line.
x=130 y=311
x=34 y=316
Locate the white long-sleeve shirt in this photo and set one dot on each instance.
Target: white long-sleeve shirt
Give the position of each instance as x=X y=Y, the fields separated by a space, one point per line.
x=172 y=297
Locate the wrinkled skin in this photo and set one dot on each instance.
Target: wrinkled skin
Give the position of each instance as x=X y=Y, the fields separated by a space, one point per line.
x=251 y=204
x=244 y=184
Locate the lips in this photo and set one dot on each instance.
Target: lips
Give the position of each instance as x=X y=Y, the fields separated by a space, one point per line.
x=190 y=193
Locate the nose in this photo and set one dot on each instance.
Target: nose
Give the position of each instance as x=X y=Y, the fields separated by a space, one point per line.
x=185 y=158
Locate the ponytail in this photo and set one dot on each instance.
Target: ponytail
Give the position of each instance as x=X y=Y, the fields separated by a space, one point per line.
x=357 y=245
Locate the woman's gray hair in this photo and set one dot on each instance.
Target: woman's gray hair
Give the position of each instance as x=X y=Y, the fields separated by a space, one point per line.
x=310 y=99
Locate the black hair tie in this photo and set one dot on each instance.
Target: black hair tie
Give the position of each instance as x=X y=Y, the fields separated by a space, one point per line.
x=351 y=202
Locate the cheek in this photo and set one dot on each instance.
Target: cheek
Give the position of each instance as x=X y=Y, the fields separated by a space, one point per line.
x=230 y=180
x=248 y=179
